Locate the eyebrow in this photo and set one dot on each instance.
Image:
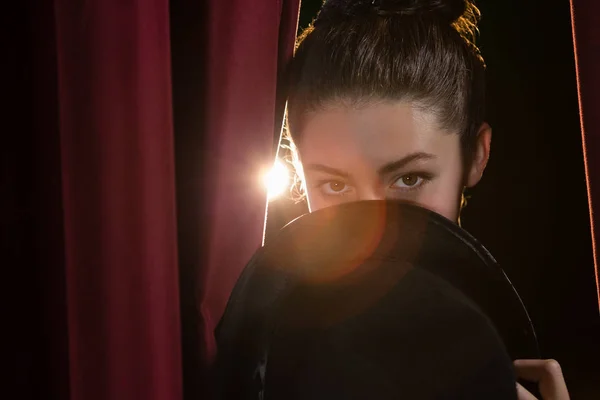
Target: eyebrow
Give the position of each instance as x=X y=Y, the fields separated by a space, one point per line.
x=396 y=165
x=383 y=170
x=327 y=170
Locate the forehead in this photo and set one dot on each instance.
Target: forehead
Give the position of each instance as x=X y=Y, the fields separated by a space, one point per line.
x=377 y=133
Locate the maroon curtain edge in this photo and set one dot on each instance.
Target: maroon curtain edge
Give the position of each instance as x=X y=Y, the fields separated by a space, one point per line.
x=585 y=20
x=244 y=52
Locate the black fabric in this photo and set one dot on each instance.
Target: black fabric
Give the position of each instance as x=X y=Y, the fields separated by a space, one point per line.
x=422 y=340
x=375 y=299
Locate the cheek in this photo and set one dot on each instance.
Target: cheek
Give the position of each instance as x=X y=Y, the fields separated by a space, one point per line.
x=312 y=197
x=443 y=195
x=445 y=200
x=315 y=202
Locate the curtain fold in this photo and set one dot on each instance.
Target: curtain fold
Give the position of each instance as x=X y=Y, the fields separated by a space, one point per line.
x=228 y=111
x=248 y=44
x=117 y=157
x=135 y=192
x=585 y=18
x=99 y=252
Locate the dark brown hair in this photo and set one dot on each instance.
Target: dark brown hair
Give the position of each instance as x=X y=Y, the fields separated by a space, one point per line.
x=358 y=51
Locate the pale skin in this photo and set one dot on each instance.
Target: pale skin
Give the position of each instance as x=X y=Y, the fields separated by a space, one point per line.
x=398 y=150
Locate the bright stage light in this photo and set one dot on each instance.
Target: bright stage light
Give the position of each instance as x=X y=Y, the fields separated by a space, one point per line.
x=277 y=180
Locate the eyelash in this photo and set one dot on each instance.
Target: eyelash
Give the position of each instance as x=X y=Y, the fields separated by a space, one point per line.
x=424 y=176
x=330 y=181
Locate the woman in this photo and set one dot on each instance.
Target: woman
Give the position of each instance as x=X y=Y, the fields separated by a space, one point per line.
x=386 y=101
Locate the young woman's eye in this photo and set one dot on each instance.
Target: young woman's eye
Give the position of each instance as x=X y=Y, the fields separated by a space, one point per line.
x=334 y=188
x=410 y=181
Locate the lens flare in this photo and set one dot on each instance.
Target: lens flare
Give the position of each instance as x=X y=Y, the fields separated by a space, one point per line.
x=277 y=180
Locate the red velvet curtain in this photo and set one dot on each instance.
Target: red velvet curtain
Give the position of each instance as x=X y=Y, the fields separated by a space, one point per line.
x=104 y=198
x=248 y=43
x=94 y=225
x=586 y=39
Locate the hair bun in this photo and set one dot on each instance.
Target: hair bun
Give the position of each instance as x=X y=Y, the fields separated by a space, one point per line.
x=338 y=10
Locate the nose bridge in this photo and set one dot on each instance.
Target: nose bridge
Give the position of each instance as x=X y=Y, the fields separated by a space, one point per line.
x=373 y=191
x=368 y=182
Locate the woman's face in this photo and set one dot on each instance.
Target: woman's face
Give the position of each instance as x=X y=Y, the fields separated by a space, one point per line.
x=386 y=151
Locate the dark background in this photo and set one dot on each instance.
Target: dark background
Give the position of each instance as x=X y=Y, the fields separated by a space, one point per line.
x=531 y=209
